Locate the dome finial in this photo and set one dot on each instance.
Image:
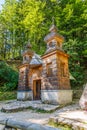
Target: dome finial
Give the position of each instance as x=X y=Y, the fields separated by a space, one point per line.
x=53 y=28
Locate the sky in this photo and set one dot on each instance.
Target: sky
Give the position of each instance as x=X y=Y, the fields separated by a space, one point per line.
x=1 y=2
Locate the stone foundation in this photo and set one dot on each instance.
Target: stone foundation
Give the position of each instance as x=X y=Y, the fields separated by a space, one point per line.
x=56 y=96
x=24 y=95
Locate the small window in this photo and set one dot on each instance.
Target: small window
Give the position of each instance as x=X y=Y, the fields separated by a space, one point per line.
x=63 y=70
x=50 y=44
x=49 y=69
x=22 y=72
x=21 y=76
x=27 y=58
x=58 y=44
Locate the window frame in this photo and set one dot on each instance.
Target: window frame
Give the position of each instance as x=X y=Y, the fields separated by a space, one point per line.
x=49 y=69
x=63 y=69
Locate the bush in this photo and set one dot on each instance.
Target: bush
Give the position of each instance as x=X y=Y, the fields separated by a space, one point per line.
x=8 y=77
x=78 y=73
x=77 y=64
x=8 y=95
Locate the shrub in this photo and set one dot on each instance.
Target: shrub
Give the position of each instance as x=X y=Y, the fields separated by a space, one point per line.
x=8 y=77
x=77 y=64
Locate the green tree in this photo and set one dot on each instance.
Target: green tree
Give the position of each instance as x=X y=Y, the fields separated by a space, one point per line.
x=8 y=77
x=22 y=20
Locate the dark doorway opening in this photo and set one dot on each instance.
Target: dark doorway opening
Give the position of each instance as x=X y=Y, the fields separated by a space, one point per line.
x=37 y=90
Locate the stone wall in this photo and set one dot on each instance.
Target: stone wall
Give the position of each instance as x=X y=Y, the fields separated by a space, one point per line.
x=56 y=96
x=25 y=95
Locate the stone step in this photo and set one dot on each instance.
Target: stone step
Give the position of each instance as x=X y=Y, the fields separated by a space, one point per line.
x=11 y=124
x=72 y=123
x=22 y=105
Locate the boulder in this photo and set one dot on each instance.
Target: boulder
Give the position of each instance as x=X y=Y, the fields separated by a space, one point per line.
x=2 y=127
x=83 y=99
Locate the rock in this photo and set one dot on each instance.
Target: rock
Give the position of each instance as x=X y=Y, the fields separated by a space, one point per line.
x=83 y=99
x=8 y=128
x=22 y=105
x=67 y=122
x=2 y=127
x=40 y=127
x=51 y=119
x=56 y=120
x=60 y=120
x=28 y=125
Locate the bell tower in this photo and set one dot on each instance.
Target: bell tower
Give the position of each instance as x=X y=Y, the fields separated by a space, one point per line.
x=53 y=39
x=56 y=84
x=24 y=91
x=28 y=53
x=53 y=42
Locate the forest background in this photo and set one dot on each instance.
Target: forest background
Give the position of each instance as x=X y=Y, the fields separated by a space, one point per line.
x=24 y=20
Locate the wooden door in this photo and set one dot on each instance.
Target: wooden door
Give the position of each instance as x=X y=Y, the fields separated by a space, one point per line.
x=37 y=90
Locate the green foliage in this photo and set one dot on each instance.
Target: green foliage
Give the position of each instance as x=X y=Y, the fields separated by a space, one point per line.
x=31 y=19
x=75 y=49
x=63 y=127
x=8 y=95
x=8 y=77
x=21 y=20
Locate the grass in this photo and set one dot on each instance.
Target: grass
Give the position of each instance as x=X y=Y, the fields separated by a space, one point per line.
x=62 y=127
x=43 y=111
x=8 y=95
